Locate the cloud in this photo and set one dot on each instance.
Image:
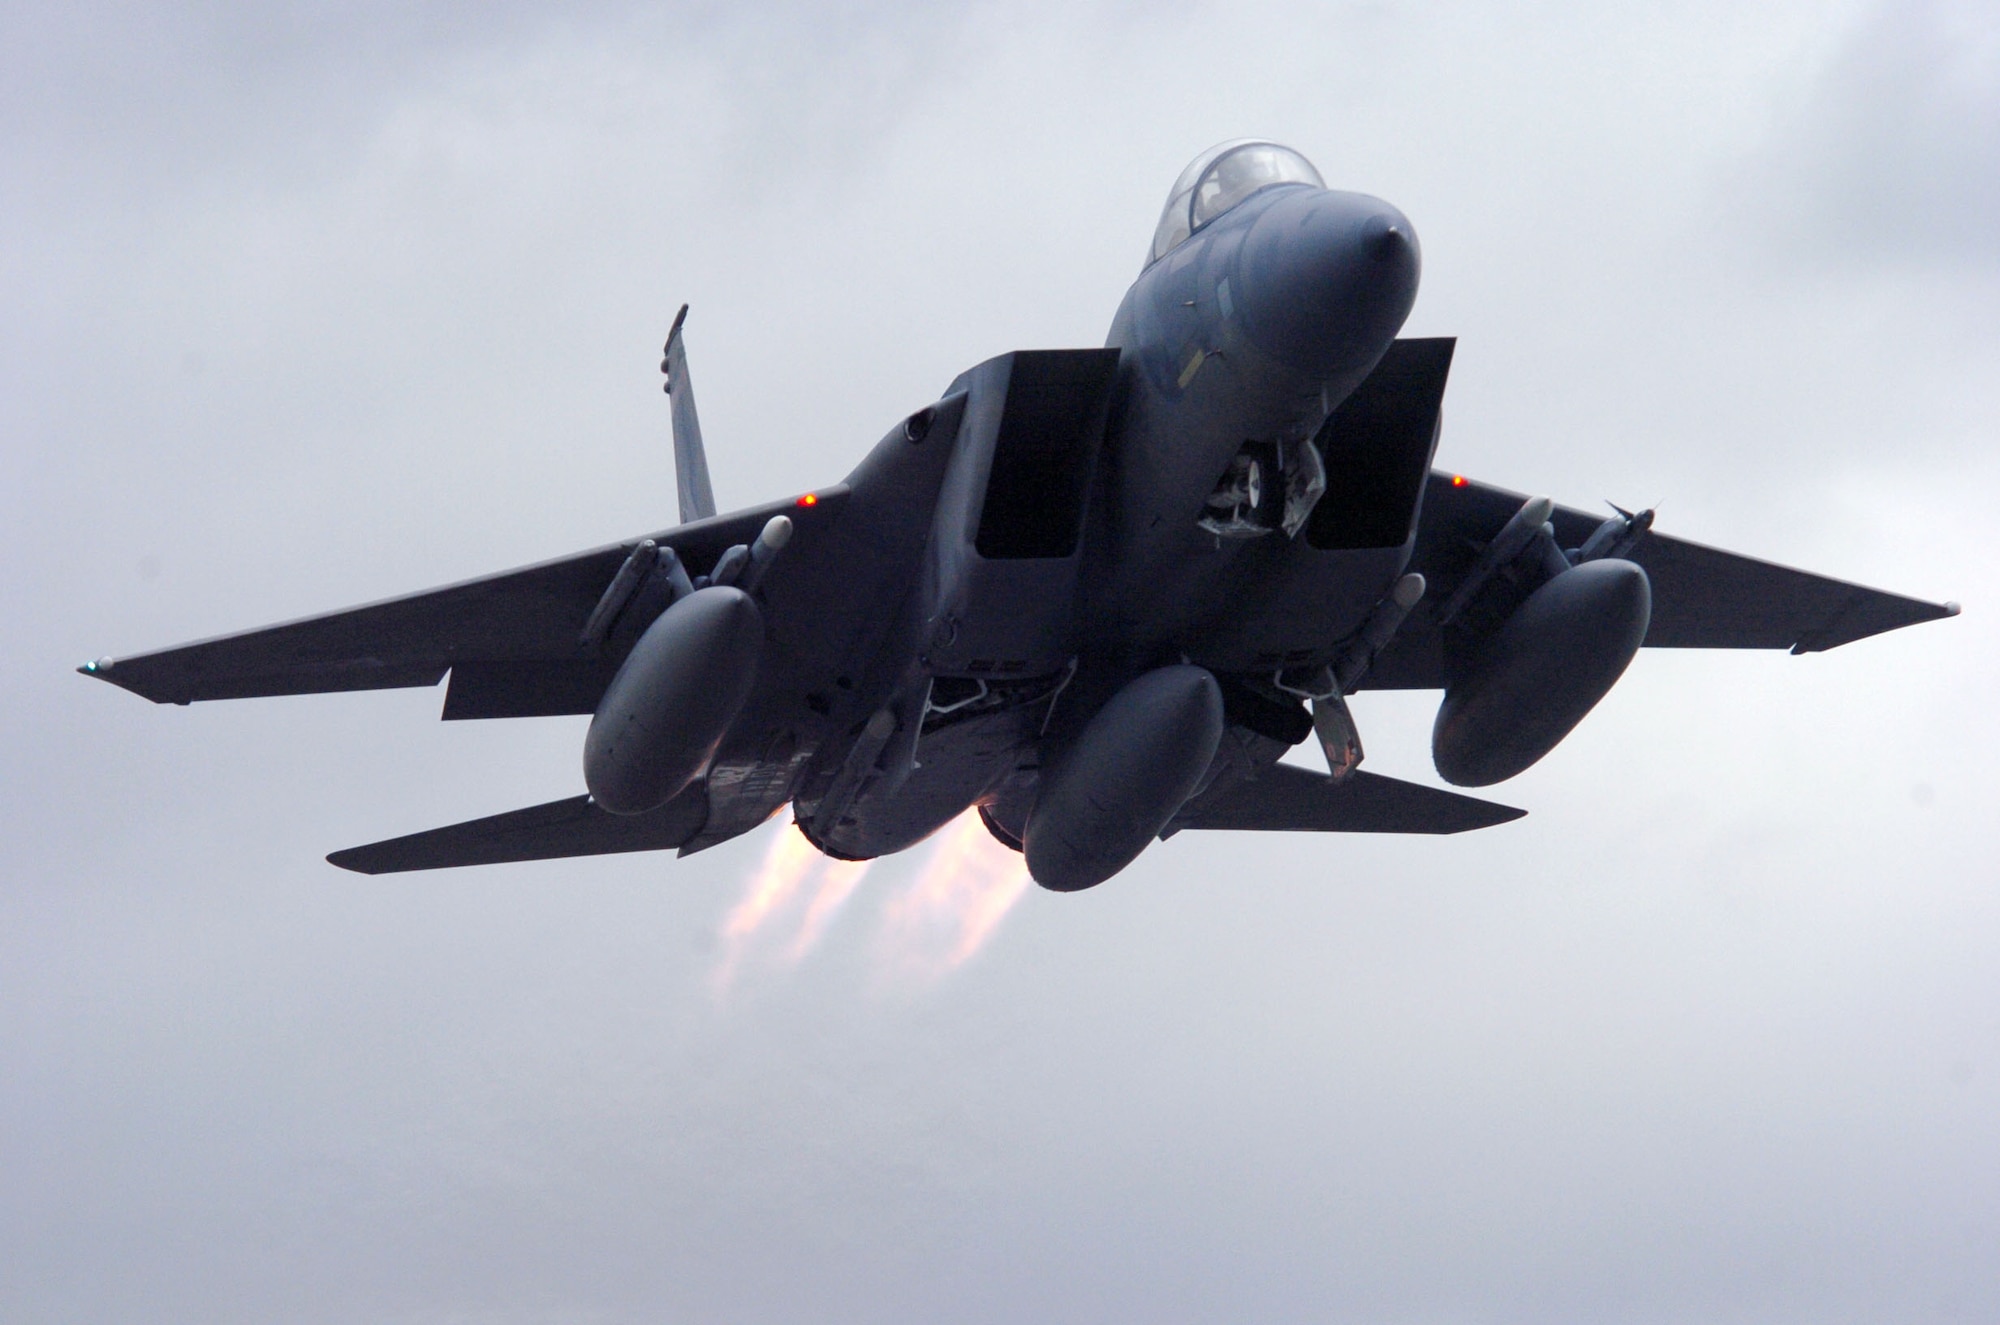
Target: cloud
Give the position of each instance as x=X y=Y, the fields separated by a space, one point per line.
x=1894 y=157
x=313 y=305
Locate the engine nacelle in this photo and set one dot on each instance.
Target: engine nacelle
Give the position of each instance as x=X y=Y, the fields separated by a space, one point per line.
x=1547 y=666
x=670 y=704
x=1132 y=767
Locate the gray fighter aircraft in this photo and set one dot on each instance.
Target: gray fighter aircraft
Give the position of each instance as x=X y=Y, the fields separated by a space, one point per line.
x=1095 y=593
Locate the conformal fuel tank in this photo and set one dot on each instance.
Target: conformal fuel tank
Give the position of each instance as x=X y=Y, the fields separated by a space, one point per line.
x=1546 y=667
x=670 y=704
x=1113 y=791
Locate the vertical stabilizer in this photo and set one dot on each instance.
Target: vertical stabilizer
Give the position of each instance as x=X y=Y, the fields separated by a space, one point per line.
x=690 y=461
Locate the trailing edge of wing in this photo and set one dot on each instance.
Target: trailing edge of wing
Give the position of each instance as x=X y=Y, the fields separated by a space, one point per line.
x=573 y=827
x=1285 y=798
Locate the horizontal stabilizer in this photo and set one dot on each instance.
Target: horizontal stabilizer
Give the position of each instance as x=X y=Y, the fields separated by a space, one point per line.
x=1287 y=799
x=573 y=827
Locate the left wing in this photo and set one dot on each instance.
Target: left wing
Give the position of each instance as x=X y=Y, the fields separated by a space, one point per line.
x=511 y=641
x=1703 y=598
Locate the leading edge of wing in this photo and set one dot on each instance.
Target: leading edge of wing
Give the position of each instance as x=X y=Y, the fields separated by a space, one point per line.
x=1286 y=798
x=558 y=829
x=533 y=612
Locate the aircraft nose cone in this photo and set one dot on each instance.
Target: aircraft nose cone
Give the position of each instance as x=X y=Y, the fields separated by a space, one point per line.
x=1389 y=239
x=1328 y=279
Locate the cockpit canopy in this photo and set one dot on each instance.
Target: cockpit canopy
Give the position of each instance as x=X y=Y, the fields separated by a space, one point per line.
x=1220 y=178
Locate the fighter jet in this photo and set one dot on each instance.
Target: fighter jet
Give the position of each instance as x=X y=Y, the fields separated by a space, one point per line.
x=1095 y=594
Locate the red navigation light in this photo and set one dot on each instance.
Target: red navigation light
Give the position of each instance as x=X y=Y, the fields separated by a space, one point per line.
x=1458 y=480
x=810 y=499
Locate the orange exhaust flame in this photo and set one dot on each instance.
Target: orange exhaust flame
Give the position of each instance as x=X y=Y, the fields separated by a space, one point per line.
x=834 y=889
x=967 y=887
x=776 y=881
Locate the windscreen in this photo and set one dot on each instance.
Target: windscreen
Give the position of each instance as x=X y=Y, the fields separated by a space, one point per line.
x=1220 y=178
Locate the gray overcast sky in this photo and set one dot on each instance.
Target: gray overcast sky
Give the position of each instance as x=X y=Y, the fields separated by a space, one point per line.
x=309 y=304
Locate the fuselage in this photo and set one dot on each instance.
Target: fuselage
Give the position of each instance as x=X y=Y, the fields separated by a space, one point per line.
x=1196 y=540
x=1094 y=593
x=1242 y=339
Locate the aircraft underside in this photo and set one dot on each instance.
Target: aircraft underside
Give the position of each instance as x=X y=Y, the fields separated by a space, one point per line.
x=1093 y=594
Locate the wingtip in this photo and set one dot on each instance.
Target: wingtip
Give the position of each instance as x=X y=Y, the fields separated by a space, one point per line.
x=1951 y=608
x=97 y=667
x=349 y=859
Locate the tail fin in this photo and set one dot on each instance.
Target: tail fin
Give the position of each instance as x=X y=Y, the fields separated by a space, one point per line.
x=690 y=461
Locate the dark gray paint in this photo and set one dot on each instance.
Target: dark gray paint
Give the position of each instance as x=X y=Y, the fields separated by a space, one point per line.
x=1703 y=597
x=1285 y=798
x=1521 y=689
x=690 y=458
x=1708 y=1036
x=1113 y=788
x=974 y=670
x=677 y=693
x=576 y=826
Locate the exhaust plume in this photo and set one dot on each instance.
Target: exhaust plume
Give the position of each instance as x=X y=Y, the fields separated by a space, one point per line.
x=967 y=887
x=771 y=896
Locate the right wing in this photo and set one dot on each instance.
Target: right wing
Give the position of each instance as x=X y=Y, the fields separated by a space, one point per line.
x=1703 y=597
x=512 y=641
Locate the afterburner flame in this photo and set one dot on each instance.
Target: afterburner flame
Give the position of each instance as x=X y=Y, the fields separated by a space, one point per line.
x=835 y=888
x=786 y=864
x=770 y=900
x=967 y=887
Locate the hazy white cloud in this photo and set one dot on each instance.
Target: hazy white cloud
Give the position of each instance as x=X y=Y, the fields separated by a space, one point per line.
x=317 y=304
x=1894 y=155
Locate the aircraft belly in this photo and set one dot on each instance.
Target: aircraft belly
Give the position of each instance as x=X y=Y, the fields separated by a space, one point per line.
x=1296 y=608
x=957 y=766
x=1158 y=565
x=1165 y=577
x=743 y=793
x=1242 y=602
x=832 y=621
x=1159 y=572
